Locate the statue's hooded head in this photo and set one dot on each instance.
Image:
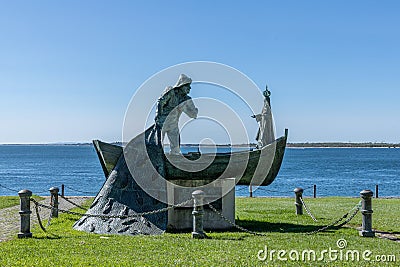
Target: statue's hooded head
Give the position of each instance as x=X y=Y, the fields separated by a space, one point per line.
x=183 y=80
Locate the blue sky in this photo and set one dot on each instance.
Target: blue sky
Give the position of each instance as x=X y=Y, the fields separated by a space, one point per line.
x=68 y=69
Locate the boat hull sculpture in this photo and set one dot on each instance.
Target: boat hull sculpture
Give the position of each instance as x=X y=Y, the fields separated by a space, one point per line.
x=109 y=154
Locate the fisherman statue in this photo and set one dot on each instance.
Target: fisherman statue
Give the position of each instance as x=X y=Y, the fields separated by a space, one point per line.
x=265 y=134
x=173 y=101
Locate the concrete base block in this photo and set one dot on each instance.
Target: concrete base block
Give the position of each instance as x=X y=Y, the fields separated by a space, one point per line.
x=367 y=233
x=24 y=235
x=182 y=219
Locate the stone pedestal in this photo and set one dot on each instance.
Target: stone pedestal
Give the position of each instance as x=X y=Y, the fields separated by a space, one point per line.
x=182 y=219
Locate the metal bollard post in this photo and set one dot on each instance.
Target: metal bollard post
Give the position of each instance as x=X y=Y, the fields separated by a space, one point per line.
x=376 y=191
x=251 y=190
x=25 y=213
x=54 y=201
x=62 y=190
x=315 y=190
x=198 y=213
x=366 y=210
x=299 y=206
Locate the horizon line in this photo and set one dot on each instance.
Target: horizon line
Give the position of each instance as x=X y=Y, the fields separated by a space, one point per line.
x=289 y=143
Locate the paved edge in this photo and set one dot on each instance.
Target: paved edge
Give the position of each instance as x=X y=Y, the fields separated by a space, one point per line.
x=10 y=218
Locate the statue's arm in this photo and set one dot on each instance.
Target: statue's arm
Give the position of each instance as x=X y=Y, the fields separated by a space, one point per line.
x=257 y=117
x=189 y=108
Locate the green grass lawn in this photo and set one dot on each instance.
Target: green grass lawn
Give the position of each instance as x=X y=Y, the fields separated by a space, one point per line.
x=10 y=201
x=6 y=202
x=275 y=217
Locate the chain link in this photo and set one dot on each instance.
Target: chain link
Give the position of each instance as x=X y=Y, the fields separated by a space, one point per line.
x=10 y=189
x=114 y=216
x=38 y=216
x=50 y=217
x=284 y=192
x=273 y=191
x=16 y=191
x=356 y=208
x=52 y=200
x=234 y=224
x=76 y=205
x=312 y=186
x=242 y=189
x=76 y=190
x=307 y=209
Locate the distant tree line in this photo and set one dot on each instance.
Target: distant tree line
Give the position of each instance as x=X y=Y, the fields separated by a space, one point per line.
x=340 y=144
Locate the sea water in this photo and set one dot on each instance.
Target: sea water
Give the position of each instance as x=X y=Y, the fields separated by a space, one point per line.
x=335 y=171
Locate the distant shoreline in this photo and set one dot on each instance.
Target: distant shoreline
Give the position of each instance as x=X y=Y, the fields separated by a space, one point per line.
x=342 y=145
x=289 y=145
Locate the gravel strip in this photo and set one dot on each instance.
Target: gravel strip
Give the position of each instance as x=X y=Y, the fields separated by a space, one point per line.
x=10 y=219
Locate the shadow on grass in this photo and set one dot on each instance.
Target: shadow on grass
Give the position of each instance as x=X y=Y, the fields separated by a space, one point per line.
x=258 y=226
x=230 y=238
x=263 y=228
x=49 y=236
x=251 y=225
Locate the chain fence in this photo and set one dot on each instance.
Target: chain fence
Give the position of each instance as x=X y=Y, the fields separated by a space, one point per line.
x=80 y=191
x=264 y=189
x=322 y=190
x=307 y=209
x=102 y=216
x=16 y=191
x=346 y=218
x=353 y=212
x=9 y=189
x=234 y=224
x=69 y=201
x=241 y=190
x=39 y=219
x=47 y=191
